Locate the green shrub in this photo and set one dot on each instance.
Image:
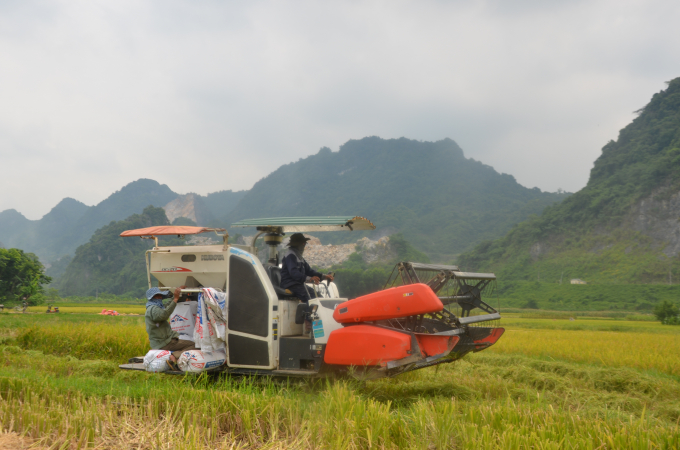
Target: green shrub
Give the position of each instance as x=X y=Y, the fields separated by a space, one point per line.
x=667 y=313
x=531 y=304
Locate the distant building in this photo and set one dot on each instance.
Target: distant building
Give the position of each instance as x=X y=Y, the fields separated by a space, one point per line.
x=577 y=281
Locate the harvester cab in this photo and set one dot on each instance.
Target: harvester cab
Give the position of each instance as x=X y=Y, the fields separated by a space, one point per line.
x=425 y=315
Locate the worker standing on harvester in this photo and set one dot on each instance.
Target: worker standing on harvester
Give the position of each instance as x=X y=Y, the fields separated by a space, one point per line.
x=295 y=271
x=161 y=335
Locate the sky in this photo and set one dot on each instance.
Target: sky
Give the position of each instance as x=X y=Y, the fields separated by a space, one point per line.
x=213 y=95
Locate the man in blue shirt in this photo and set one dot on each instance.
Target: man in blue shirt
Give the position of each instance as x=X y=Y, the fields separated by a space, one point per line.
x=295 y=271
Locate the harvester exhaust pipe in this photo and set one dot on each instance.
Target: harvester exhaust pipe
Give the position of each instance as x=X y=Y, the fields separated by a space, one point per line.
x=273 y=240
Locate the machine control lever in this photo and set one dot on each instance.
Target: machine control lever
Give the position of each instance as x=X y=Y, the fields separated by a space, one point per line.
x=304 y=312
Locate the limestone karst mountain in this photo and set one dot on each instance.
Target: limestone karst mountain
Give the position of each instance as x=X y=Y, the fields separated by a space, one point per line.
x=623 y=227
x=71 y=223
x=440 y=200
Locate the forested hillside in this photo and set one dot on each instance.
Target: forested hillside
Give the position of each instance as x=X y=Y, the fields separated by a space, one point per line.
x=221 y=203
x=111 y=264
x=621 y=228
x=441 y=201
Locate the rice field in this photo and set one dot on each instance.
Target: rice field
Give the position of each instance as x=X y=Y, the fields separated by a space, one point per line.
x=647 y=351
x=79 y=308
x=554 y=384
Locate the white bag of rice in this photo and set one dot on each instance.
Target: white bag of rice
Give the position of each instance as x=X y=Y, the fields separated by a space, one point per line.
x=156 y=360
x=198 y=361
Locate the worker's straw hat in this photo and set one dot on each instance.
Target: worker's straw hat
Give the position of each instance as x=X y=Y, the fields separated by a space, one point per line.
x=154 y=290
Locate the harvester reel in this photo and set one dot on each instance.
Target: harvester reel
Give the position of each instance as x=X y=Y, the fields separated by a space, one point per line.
x=469 y=299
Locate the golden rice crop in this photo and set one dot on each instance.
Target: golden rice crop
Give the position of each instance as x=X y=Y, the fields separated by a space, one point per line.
x=614 y=349
x=338 y=418
x=86 y=309
x=591 y=324
x=117 y=342
x=494 y=399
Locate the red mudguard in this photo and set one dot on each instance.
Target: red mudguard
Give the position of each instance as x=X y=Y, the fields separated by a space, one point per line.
x=402 y=301
x=366 y=345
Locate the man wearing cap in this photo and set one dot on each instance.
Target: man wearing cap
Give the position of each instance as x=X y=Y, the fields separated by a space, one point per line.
x=161 y=335
x=295 y=271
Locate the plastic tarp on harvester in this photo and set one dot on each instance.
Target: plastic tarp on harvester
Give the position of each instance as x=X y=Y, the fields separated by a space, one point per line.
x=210 y=330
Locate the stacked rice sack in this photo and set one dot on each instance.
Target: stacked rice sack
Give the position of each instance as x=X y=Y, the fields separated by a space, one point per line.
x=210 y=330
x=157 y=360
x=198 y=361
x=210 y=333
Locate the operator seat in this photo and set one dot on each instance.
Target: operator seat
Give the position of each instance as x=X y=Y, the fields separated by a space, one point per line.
x=274 y=273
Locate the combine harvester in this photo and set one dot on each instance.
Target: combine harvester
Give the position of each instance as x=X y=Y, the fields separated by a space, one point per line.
x=427 y=314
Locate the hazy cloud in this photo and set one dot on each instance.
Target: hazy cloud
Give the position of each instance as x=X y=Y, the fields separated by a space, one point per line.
x=205 y=96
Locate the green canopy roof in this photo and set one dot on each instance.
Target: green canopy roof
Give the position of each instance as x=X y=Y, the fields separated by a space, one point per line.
x=302 y=224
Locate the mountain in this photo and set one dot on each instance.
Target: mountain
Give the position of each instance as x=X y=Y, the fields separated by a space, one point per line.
x=112 y=264
x=61 y=218
x=222 y=203
x=37 y=236
x=71 y=223
x=623 y=227
x=131 y=199
x=441 y=201
x=12 y=223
